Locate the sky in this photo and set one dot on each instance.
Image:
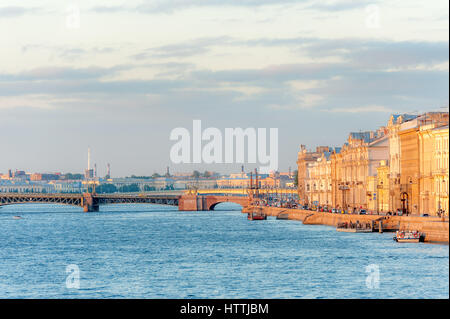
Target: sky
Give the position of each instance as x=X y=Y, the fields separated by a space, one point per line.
x=118 y=76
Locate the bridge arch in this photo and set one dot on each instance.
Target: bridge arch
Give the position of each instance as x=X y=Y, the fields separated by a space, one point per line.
x=218 y=204
x=213 y=201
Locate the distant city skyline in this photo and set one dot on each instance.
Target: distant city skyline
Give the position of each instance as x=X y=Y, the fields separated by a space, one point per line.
x=117 y=76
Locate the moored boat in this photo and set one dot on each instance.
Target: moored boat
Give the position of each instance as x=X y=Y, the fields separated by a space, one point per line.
x=256 y=216
x=403 y=236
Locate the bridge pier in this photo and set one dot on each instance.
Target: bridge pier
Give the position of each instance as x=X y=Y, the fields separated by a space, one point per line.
x=90 y=209
x=192 y=203
x=89 y=204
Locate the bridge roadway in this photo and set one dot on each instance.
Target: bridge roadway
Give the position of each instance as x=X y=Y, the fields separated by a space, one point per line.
x=91 y=202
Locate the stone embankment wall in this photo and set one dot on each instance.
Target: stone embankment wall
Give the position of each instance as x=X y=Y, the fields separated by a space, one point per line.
x=435 y=229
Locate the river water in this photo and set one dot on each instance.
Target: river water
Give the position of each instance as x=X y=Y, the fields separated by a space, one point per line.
x=145 y=251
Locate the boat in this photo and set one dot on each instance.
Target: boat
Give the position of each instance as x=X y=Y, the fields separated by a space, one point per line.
x=404 y=236
x=256 y=216
x=17 y=217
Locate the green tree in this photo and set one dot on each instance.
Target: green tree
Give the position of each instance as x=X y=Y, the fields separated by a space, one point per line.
x=106 y=189
x=206 y=174
x=296 y=178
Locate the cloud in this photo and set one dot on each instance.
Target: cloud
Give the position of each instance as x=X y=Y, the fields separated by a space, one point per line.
x=362 y=109
x=340 y=5
x=371 y=73
x=15 y=11
x=370 y=53
x=43 y=74
x=170 y=6
x=185 y=49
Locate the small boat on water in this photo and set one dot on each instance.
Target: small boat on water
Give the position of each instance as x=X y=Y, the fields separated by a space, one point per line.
x=257 y=214
x=17 y=217
x=408 y=236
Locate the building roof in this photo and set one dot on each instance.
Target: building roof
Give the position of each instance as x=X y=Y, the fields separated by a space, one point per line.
x=365 y=136
x=406 y=117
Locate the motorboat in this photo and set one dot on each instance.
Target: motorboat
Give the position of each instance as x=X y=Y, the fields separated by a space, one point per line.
x=405 y=236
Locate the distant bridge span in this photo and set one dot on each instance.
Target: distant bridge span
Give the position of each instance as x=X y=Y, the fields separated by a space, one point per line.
x=91 y=202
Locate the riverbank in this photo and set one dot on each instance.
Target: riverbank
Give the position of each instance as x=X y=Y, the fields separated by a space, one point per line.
x=435 y=230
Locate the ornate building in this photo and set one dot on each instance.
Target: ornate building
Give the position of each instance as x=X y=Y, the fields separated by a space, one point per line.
x=417 y=143
x=378 y=189
x=306 y=157
x=396 y=123
x=402 y=166
x=440 y=169
x=318 y=181
x=433 y=166
x=357 y=160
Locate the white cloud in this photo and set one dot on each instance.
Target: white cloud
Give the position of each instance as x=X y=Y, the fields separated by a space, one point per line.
x=363 y=109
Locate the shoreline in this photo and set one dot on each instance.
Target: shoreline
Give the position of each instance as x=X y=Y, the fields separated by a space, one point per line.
x=435 y=230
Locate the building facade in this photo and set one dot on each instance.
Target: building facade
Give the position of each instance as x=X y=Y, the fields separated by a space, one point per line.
x=354 y=164
x=419 y=171
x=318 y=181
x=305 y=158
x=400 y=167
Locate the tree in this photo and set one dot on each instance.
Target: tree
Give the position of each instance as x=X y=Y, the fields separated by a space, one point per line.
x=196 y=174
x=132 y=188
x=106 y=189
x=149 y=188
x=206 y=174
x=70 y=176
x=296 y=178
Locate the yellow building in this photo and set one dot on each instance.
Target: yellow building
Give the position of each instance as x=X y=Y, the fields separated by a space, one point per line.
x=433 y=181
x=354 y=164
x=372 y=193
x=440 y=169
x=304 y=158
x=378 y=189
x=243 y=180
x=383 y=187
x=419 y=141
x=403 y=166
x=396 y=123
x=318 y=181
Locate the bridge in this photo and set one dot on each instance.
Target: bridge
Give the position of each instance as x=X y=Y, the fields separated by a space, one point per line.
x=91 y=202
